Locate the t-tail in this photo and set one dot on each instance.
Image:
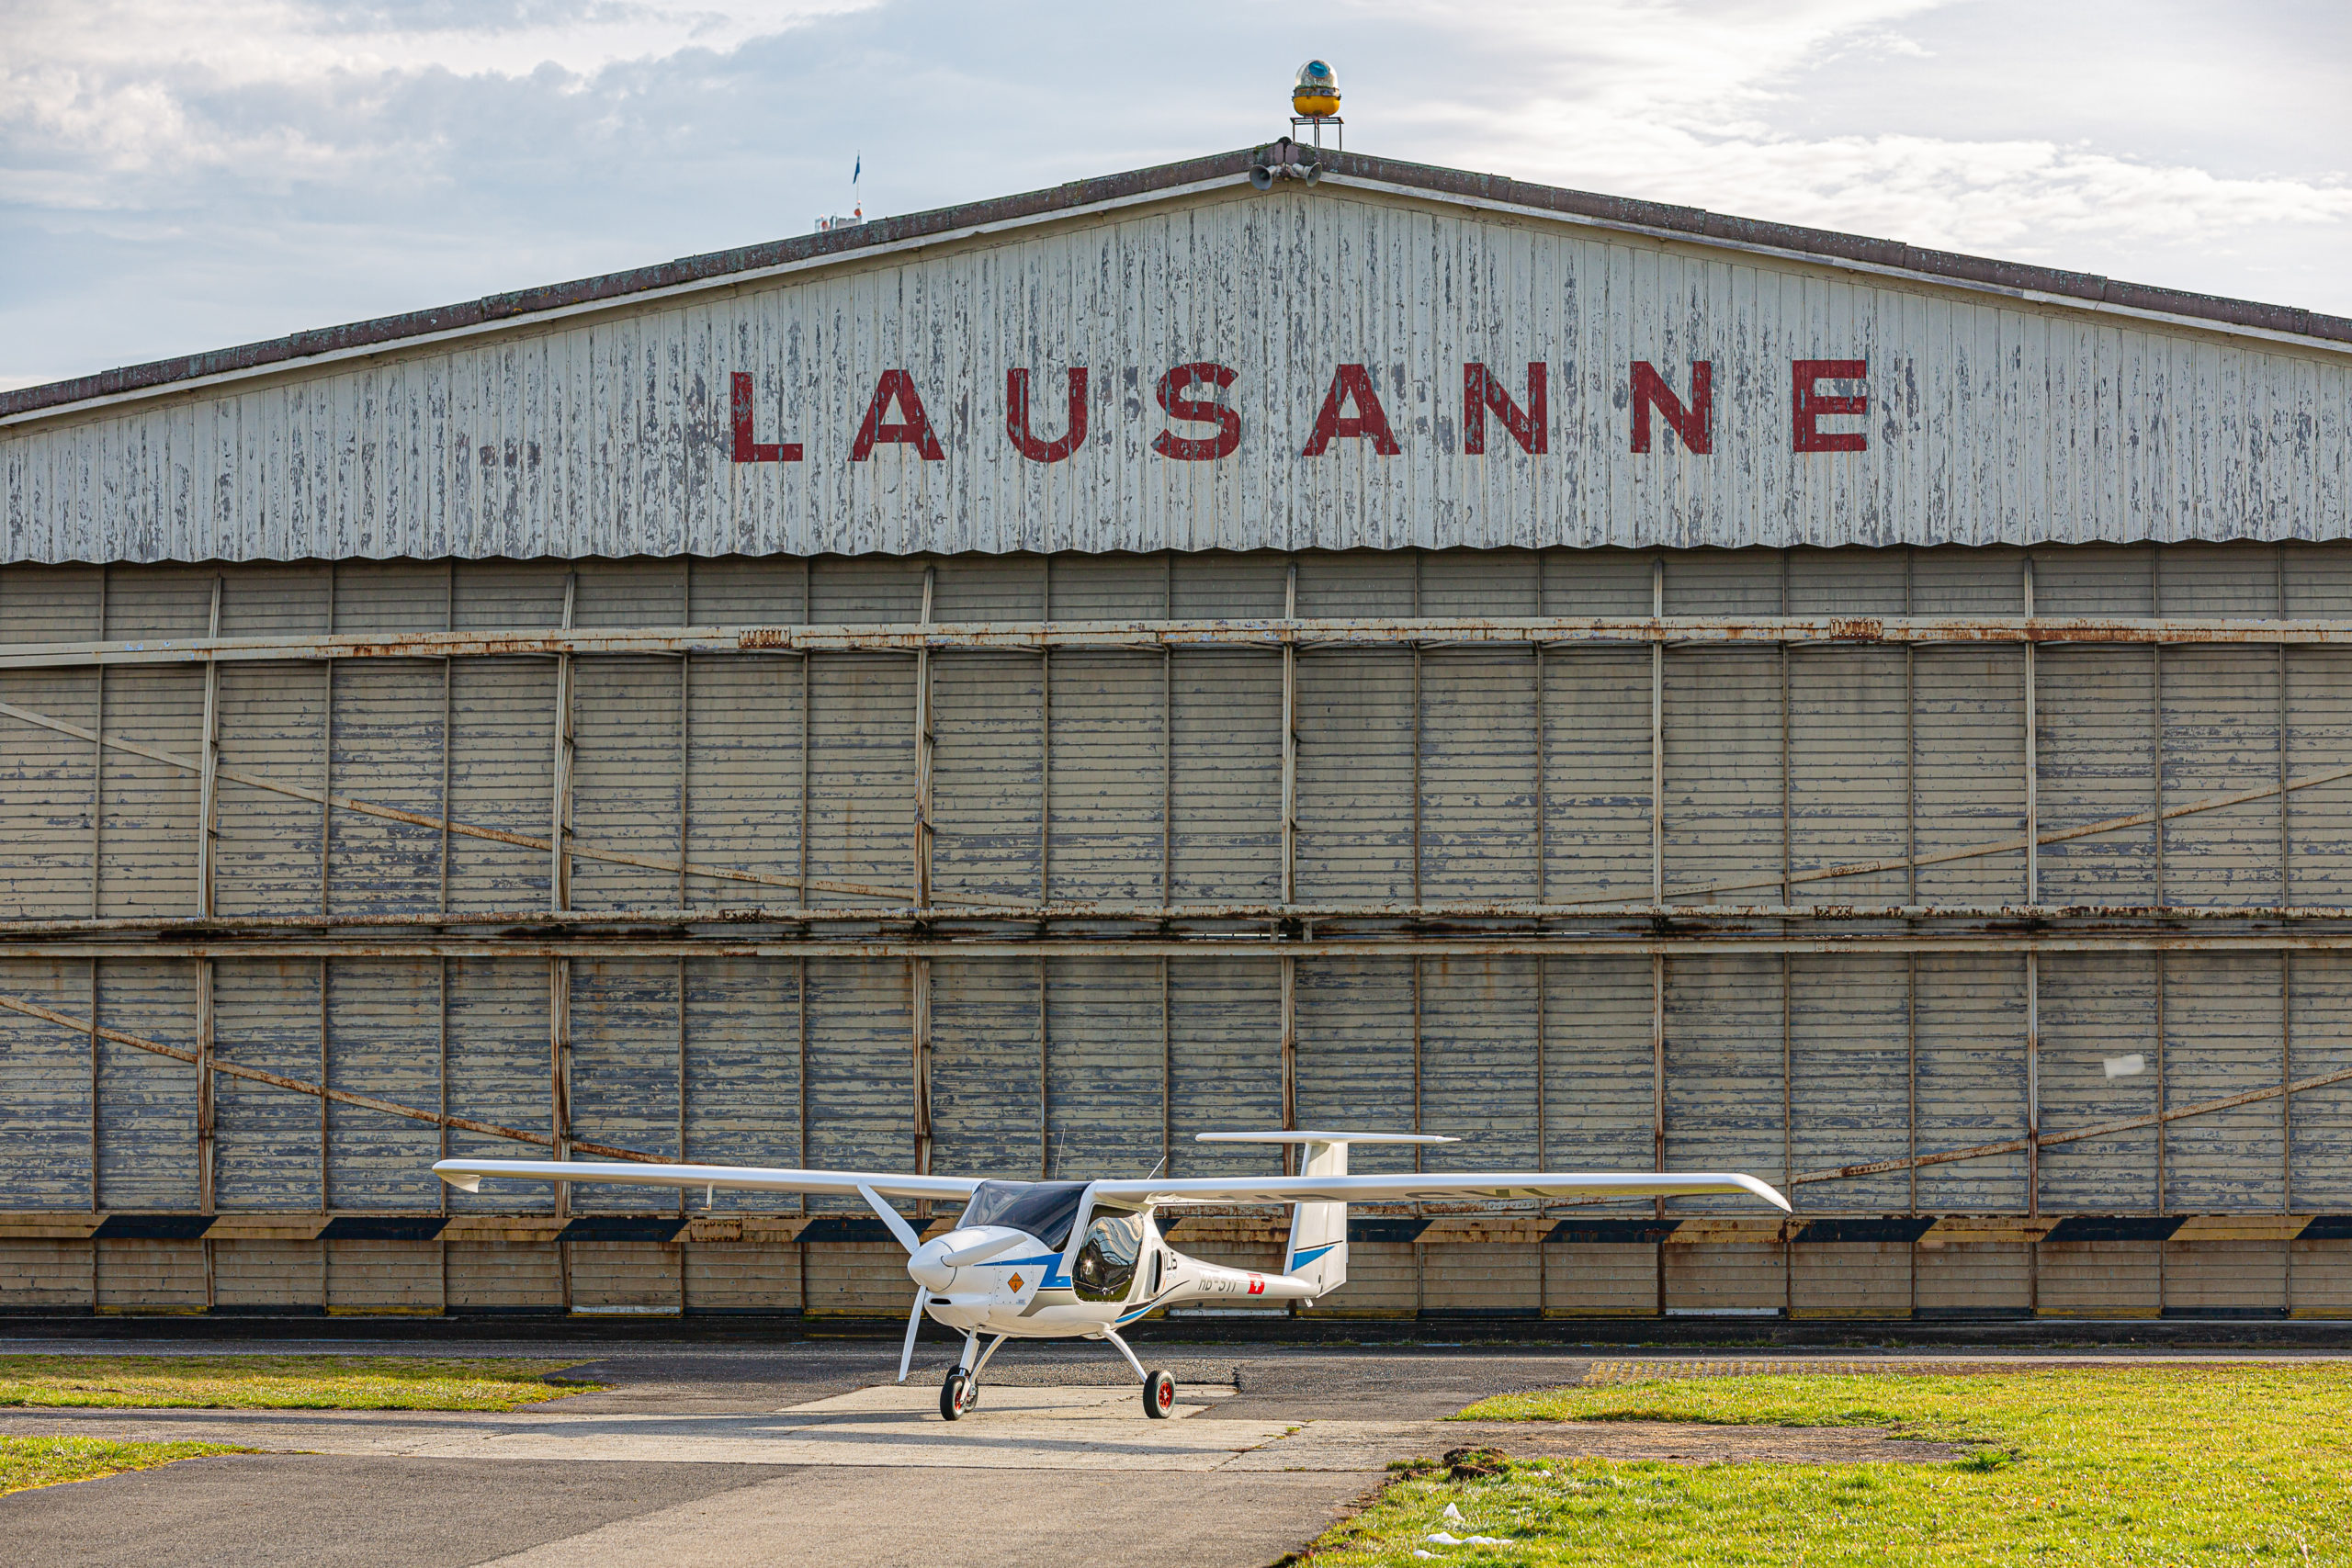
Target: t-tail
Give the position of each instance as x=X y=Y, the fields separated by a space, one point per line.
x=1318 y=1254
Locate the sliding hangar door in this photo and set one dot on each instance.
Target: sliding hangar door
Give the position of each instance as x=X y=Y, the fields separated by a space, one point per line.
x=1121 y=945
x=1011 y=689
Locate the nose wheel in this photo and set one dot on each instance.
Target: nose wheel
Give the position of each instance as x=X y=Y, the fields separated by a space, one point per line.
x=957 y=1394
x=1159 y=1396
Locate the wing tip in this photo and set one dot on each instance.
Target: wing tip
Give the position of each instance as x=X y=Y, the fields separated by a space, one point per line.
x=455 y=1176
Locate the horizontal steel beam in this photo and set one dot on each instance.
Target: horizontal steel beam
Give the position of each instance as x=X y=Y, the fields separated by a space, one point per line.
x=959 y=922
x=1270 y=633
x=1270 y=946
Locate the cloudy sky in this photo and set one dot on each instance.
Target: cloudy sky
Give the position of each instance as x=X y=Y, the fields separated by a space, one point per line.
x=182 y=174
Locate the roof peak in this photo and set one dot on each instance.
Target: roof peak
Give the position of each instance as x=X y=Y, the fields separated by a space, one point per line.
x=1358 y=169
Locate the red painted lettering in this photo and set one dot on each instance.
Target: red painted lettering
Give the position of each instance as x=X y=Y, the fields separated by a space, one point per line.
x=1482 y=391
x=1199 y=410
x=1016 y=418
x=1695 y=424
x=1354 y=383
x=1811 y=405
x=746 y=449
x=913 y=428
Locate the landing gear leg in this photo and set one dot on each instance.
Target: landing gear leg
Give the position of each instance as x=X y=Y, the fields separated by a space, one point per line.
x=962 y=1388
x=1159 y=1387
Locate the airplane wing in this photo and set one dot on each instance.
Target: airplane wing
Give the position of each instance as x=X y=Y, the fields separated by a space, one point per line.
x=1438 y=1188
x=469 y=1173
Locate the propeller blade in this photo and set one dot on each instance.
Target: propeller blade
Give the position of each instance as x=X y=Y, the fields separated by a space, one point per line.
x=914 y=1322
x=891 y=1217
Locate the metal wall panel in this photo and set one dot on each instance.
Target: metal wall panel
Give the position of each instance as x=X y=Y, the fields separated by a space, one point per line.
x=2320 y=1043
x=2223 y=1019
x=987 y=777
x=498 y=1062
x=389 y=749
x=45 y=1084
x=1224 y=1048
x=1356 y=733
x=146 y=1103
x=1106 y=776
x=1478 y=765
x=861 y=1071
x=987 y=1098
x=1599 y=1083
x=1850 y=1076
x=383 y=1029
x=745 y=734
x=628 y=1053
x=1228 y=723
x=502 y=775
x=861 y=775
x=2090 y=1002
x=1359 y=1057
x=626 y=716
x=743 y=1083
x=273 y=721
x=1972 y=1013
x=1478 y=1064
x=267 y=1014
x=1103 y=1068
x=1726 y=1084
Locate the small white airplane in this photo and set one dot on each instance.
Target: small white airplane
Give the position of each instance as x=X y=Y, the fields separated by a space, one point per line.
x=1082 y=1259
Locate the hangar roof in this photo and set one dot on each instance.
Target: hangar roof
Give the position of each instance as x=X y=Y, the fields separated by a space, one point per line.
x=2006 y=402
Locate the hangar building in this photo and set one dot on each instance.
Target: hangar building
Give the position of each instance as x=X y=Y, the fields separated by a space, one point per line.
x=1004 y=689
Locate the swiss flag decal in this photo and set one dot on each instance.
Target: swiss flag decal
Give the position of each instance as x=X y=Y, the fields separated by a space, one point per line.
x=1257 y=1286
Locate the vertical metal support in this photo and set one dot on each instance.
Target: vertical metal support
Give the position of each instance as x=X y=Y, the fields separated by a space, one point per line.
x=1044 y=764
x=326 y=1191
x=2032 y=759
x=98 y=787
x=1290 y=1056
x=326 y=764
x=1166 y=742
x=94 y=1087
x=1416 y=1063
x=448 y=742
x=209 y=783
x=923 y=756
x=1045 y=1083
x=2157 y=804
x=560 y=1069
x=2164 y=1133
x=683 y=1157
x=1543 y=751
x=441 y=1133
x=800 y=1083
x=1416 y=841
x=1788 y=792
x=808 y=742
x=1910 y=746
x=1658 y=744
x=1911 y=1057
x=205 y=1119
x=685 y=765
x=1167 y=1079
x=1657 y=1100
x=2286 y=955
x=1543 y=1024
x=559 y=827
x=1290 y=756
x=2033 y=1085
x=918 y=980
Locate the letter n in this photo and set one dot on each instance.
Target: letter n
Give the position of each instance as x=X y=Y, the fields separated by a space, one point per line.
x=1695 y=424
x=1481 y=392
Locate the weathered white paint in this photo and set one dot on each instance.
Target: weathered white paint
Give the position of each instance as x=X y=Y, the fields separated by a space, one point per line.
x=1991 y=420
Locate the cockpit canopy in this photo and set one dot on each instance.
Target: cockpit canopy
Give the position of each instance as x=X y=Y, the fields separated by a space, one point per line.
x=1043 y=1209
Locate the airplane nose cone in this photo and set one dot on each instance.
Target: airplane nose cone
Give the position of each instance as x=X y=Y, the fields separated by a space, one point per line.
x=926 y=1269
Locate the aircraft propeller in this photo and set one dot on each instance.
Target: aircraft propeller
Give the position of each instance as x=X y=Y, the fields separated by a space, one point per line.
x=907 y=1237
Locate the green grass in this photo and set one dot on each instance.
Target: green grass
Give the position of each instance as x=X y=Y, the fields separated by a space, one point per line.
x=277 y=1383
x=26 y=1462
x=2143 y=1466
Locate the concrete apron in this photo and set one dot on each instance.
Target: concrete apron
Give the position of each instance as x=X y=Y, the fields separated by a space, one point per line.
x=1057 y=1428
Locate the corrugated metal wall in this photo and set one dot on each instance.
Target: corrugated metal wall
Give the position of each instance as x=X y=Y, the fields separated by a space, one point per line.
x=1125 y=945
x=1992 y=419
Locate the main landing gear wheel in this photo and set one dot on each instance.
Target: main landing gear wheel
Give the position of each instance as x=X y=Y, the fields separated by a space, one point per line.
x=1159 y=1396
x=957 y=1394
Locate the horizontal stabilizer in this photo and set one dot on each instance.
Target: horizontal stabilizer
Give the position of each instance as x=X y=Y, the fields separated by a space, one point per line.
x=1293 y=1137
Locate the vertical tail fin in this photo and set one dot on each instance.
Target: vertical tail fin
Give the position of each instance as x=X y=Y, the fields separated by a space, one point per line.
x=1318 y=1232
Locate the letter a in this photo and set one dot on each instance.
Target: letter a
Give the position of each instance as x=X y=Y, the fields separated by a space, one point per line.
x=912 y=429
x=1354 y=383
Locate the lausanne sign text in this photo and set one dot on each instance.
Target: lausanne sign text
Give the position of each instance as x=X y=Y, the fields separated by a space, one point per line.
x=1201 y=428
